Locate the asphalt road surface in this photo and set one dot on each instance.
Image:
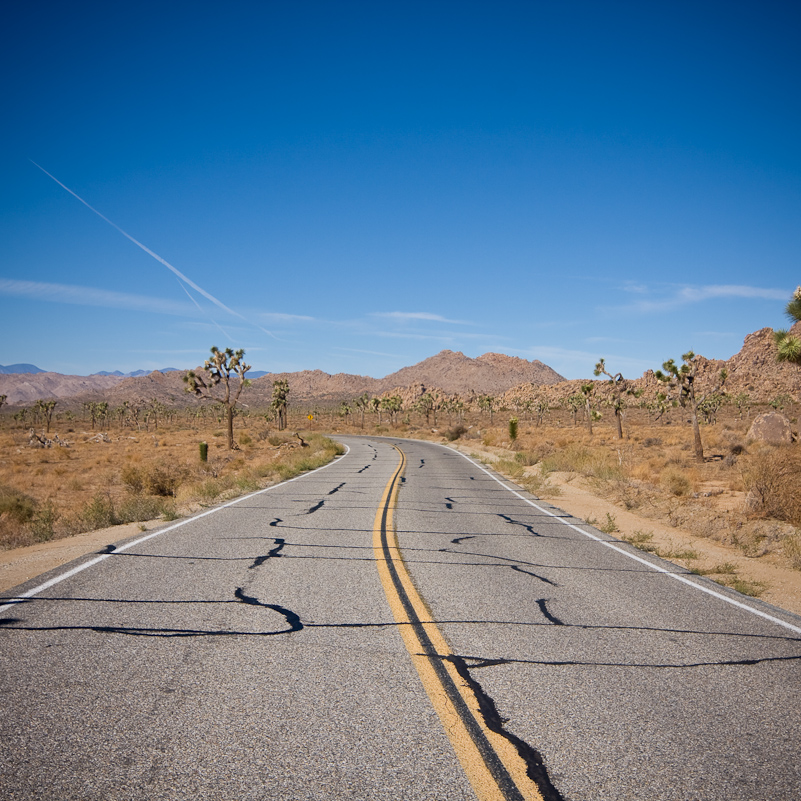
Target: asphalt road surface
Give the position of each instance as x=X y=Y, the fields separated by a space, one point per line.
x=400 y=624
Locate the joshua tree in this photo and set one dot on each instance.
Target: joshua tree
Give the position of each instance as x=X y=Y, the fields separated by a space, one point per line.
x=393 y=404
x=587 y=391
x=575 y=403
x=788 y=346
x=682 y=380
x=425 y=405
x=487 y=404
x=376 y=407
x=620 y=388
x=222 y=369
x=279 y=402
x=3 y=399
x=45 y=408
x=362 y=403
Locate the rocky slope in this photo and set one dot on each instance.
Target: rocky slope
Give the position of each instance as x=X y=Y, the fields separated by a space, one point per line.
x=753 y=371
x=25 y=388
x=448 y=372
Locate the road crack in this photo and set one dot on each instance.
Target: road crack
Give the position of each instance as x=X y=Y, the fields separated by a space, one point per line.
x=535 y=766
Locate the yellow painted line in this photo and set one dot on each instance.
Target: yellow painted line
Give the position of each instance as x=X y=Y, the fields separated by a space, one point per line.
x=491 y=762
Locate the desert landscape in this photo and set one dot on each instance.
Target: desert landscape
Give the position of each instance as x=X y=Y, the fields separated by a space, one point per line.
x=82 y=454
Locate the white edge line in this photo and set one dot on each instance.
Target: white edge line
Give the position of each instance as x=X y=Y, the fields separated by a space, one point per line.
x=63 y=576
x=612 y=546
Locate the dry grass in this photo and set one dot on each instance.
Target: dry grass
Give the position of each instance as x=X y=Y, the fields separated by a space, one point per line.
x=745 y=495
x=56 y=492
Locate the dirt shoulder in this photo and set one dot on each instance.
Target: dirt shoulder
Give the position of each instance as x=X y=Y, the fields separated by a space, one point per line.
x=18 y=565
x=774 y=583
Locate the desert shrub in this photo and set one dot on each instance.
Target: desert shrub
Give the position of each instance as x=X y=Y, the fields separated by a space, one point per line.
x=455 y=432
x=163 y=480
x=133 y=478
x=509 y=467
x=594 y=463
x=154 y=479
x=210 y=490
x=141 y=507
x=99 y=513
x=537 y=484
x=247 y=483
x=16 y=506
x=676 y=481
x=43 y=523
x=244 y=439
x=772 y=479
x=792 y=549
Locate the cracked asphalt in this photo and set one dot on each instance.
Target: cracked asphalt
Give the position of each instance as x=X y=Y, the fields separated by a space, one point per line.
x=251 y=654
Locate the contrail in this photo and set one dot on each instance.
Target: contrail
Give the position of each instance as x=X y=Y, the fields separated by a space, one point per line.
x=191 y=297
x=156 y=256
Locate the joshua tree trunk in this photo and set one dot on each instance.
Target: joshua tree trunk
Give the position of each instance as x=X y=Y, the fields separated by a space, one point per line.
x=699 y=447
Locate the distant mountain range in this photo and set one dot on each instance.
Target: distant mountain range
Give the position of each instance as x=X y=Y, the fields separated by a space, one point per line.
x=21 y=369
x=12 y=369
x=449 y=372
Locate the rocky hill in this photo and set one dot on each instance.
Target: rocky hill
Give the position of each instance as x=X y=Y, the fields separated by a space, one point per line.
x=448 y=372
x=24 y=388
x=457 y=374
x=753 y=371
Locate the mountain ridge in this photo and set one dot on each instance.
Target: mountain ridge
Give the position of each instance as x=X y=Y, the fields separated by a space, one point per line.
x=448 y=371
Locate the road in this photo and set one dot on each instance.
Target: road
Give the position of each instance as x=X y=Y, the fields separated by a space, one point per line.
x=401 y=624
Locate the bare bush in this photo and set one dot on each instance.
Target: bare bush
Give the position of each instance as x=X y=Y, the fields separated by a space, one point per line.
x=772 y=479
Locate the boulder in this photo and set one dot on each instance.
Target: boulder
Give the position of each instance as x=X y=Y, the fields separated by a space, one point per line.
x=773 y=428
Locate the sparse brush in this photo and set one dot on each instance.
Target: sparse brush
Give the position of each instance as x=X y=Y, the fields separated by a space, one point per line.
x=537 y=484
x=772 y=479
x=43 y=523
x=98 y=513
x=16 y=506
x=453 y=433
x=676 y=481
x=509 y=467
x=792 y=549
x=641 y=540
x=609 y=525
x=136 y=508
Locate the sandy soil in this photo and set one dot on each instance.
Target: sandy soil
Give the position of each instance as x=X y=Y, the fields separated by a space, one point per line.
x=18 y=565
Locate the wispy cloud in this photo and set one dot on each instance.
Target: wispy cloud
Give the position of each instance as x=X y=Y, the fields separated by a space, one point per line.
x=91 y=296
x=370 y=352
x=675 y=297
x=411 y=335
x=278 y=317
x=404 y=316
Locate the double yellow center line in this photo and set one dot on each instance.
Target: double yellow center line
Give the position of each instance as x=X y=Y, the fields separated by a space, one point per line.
x=492 y=764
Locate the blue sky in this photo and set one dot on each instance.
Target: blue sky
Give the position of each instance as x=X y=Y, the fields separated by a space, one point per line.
x=355 y=186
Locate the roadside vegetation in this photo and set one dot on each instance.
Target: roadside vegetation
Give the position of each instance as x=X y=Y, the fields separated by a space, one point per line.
x=124 y=477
